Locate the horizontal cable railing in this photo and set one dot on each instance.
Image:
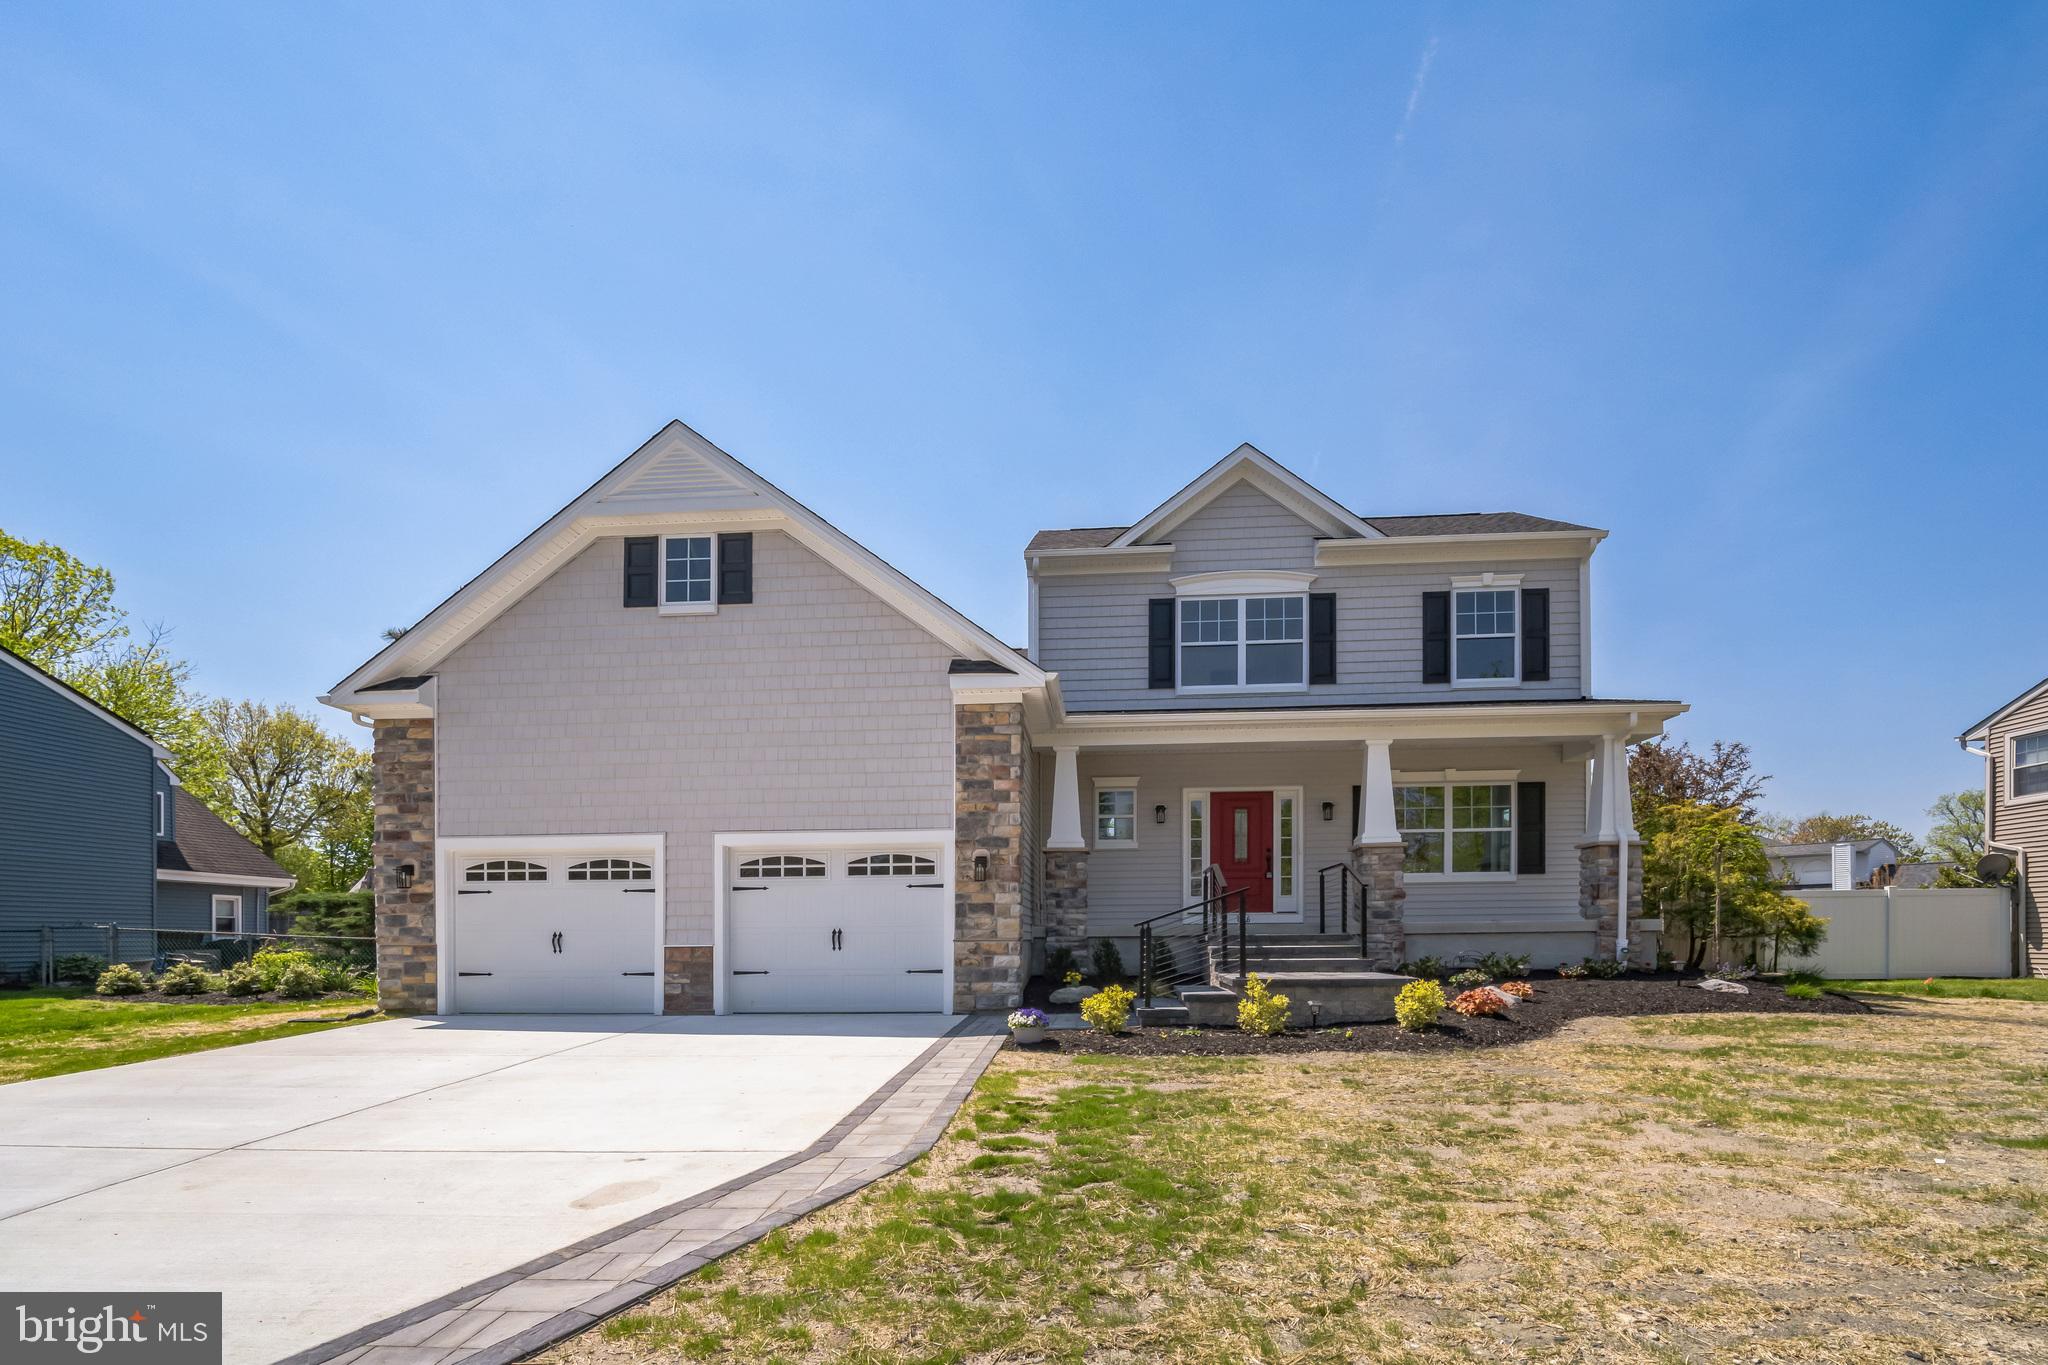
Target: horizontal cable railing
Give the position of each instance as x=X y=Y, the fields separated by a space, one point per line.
x=1167 y=941
x=1352 y=895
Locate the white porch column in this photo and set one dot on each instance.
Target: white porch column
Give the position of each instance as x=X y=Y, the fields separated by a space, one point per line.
x=1066 y=800
x=1376 y=796
x=1602 y=808
x=1623 y=803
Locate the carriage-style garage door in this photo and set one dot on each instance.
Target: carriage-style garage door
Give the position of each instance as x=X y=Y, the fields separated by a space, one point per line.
x=545 y=933
x=861 y=929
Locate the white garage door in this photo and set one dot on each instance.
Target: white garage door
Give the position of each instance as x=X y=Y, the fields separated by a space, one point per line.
x=547 y=934
x=817 y=931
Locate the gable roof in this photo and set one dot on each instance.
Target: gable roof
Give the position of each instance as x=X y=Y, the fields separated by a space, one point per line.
x=208 y=844
x=1437 y=524
x=1981 y=728
x=675 y=476
x=79 y=699
x=1806 y=850
x=1249 y=464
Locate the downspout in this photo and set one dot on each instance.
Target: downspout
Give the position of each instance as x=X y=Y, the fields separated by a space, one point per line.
x=2016 y=934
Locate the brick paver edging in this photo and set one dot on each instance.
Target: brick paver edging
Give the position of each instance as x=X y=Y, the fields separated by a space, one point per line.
x=512 y=1314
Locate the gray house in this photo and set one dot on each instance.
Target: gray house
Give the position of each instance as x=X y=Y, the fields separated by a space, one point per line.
x=2013 y=742
x=688 y=746
x=94 y=830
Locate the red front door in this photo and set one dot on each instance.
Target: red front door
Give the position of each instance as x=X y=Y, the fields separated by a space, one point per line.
x=1241 y=846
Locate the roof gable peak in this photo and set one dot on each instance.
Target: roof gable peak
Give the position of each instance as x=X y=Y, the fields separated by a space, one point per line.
x=1249 y=465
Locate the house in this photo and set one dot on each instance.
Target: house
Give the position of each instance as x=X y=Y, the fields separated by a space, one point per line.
x=1840 y=866
x=688 y=746
x=95 y=831
x=2013 y=742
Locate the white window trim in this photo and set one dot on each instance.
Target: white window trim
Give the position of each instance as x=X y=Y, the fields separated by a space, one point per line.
x=665 y=607
x=1486 y=582
x=1190 y=689
x=1459 y=777
x=1105 y=784
x=235 y=901
x=1286 y=910
x=2012 y=747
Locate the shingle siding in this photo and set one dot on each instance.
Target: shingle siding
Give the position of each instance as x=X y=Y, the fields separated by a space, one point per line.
x=77 y=820
x=2023 y=825
x=1092 y=627
x=816 y=707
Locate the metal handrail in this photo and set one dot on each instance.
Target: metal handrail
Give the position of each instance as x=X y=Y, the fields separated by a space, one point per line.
x=1215 y=912
x=1346 y=876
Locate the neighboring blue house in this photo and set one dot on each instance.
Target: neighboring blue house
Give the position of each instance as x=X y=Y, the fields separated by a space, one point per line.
x=94 y=831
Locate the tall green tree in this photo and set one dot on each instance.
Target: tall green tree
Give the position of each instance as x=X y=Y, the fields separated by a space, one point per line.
x=1661 y=773
x=1957 y=836
x=278 y=766
x=1705 y=870
x=55 y=609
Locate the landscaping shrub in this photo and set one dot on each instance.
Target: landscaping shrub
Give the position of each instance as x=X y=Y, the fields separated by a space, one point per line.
x=1259 y=1010
x=1803 y=990
x=1428 y=968
x=1572 y=971
x=1466 y=980
x=185 y=978
x=1107 y=1010
x=1484 y=1000
x=342 y=913
x=299 y=981
x=1059 y=962
x=1521 y=990
x=121 y=979
x=1418 y=1005
x=243 y=979
x=1504 y=966
x=335 y=976
x=80 y=968
x=273 y=962
x=1606 y=968
x=1107 y=961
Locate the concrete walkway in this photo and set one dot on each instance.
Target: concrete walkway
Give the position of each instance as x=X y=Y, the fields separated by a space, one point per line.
x=335 y=1181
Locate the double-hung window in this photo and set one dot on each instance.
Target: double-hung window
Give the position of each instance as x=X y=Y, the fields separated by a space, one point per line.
x=2030 y=764
x=1457 y=829
x=1243 y=642
x=1116 y=816
x=1483 y=638
x=686 y=574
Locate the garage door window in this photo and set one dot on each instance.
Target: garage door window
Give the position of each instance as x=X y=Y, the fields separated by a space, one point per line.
x=781 y=865
x=892 y=865
x=610 y=870
x=505 y=870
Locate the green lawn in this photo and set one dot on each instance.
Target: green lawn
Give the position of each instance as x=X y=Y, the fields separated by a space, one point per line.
x=51 y=1032
x=1955 y=987
x=1857 y=1189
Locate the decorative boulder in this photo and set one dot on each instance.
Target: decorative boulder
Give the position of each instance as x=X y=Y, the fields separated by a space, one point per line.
x=1072 y=995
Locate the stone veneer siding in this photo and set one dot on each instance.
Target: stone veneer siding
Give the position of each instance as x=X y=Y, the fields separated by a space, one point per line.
x=1066 y=899
x=402 y=761
x=988 y=816
x=1599 y=872
x=1380 y=867
x=686 y=980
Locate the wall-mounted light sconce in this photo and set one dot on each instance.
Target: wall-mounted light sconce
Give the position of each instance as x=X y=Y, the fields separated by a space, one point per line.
x=981 y=867
x=1159 y=815
x=1329 y=810
x=405 y=875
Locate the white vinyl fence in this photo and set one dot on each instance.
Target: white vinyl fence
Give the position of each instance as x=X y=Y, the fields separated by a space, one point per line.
x=1887 y=933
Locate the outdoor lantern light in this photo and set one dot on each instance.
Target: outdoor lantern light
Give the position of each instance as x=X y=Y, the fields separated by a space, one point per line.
x=1159 y=815
x=981 y=867
x=1329 y=810
x=405 y=876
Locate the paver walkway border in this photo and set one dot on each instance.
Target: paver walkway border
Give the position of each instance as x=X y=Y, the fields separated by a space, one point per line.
x=516 y=1312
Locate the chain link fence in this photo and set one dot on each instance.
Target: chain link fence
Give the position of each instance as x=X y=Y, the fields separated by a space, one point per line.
x=58 y=954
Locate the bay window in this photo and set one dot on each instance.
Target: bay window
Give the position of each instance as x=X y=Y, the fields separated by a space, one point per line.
x=1457 y=829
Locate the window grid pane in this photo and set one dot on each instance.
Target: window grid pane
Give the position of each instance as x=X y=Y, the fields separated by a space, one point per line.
x=689 y=569
x=1195 y=848
x=1286 y=846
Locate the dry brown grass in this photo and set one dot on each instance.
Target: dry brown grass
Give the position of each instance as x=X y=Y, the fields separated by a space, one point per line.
x=1738 y=1188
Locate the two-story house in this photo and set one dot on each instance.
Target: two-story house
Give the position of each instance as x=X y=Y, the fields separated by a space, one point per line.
x=688 y=746
x=2013 y=742
x=94 y=831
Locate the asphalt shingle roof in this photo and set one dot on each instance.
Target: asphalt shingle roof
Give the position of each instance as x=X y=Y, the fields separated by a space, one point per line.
x=206 y=843
x=1437 y=524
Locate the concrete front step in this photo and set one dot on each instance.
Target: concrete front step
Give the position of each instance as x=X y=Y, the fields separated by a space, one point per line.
x=1269 y=964
x=1163 y=1014
x=1314 y=996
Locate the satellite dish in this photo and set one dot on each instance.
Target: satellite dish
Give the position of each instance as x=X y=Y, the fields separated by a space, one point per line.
x=1994 y=867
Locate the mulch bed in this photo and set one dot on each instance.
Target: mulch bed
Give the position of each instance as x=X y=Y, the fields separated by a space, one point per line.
x=1557 y=1002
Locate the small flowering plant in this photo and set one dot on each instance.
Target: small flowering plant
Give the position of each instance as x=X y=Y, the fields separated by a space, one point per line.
x=1027 y=1018
x=1521 y=990
x=1072 y=978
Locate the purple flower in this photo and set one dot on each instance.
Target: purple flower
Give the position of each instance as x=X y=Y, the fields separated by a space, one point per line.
x=1027 y=1018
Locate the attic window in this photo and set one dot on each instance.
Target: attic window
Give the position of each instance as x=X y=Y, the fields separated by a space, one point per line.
x=686 y=575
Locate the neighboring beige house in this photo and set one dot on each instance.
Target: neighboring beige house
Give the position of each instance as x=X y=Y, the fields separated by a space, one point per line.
x=1838 y=866
x=689 y=747
x=2013 y=742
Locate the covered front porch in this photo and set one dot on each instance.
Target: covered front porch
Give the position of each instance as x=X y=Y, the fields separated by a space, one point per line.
x=1472 y=830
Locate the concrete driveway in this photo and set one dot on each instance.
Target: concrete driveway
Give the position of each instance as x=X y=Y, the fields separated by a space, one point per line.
x=328 y=1181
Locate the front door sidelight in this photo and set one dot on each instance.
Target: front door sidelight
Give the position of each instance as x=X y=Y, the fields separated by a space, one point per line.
x=1241 y=846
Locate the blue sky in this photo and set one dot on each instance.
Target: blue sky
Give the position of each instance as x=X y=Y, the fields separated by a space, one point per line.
x=311 y=311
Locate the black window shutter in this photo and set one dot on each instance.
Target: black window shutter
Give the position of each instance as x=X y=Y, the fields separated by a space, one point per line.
x=736 y=567
x=1529 y=828
x=642 y=552
x=1357 y=804
x=1159 y=643
x=1436 y=637
x=1535 y=635
x=1322 y=637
